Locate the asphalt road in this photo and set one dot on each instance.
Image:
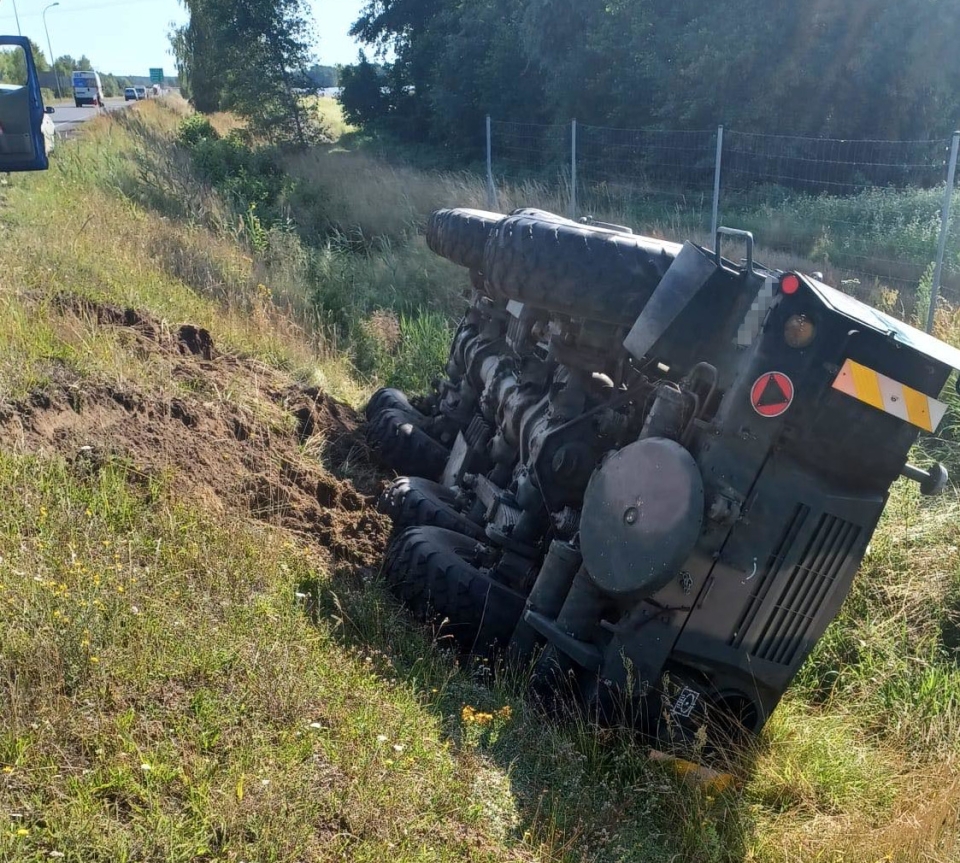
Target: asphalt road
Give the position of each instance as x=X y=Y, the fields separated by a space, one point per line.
x=67 y=118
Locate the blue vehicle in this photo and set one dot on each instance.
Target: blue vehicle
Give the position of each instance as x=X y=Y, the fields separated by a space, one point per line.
x=22 y=145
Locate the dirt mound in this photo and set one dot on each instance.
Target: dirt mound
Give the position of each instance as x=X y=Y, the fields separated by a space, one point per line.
x=232 y=432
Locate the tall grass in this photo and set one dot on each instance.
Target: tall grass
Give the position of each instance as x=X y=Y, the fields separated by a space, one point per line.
x=267 y=691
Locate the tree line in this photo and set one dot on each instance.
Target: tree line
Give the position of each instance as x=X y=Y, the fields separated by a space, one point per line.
x=831 y=68
x=13 y=70
x=250 y=57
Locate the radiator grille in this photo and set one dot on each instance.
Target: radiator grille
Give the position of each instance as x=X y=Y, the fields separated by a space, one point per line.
x=798 y=591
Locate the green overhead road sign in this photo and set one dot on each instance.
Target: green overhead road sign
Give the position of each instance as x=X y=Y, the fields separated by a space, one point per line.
x=156 y=75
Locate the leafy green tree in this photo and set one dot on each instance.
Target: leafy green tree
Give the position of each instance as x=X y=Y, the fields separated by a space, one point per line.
x=871 y=69
x=248 y=57
x=323 y=76
x=454 y=64
x=362 y=97
x=13 y=65
x=66 y=65
x=200 y=55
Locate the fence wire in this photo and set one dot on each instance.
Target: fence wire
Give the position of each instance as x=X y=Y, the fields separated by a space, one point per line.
x=830 y=165
x=865 y=213
x=665 y=175
x=522 y=151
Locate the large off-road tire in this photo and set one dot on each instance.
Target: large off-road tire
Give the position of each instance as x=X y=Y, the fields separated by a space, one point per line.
x=413 y=501
x=386 y=398
x=460 y=235
x=406 y=447
x=578 y=270
x=544 y=215
x=434 y=572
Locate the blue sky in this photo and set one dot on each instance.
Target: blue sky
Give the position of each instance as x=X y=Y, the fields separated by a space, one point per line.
x=129 y=36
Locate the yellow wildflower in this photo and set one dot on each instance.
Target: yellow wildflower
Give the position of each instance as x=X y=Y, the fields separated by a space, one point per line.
x=475 y=717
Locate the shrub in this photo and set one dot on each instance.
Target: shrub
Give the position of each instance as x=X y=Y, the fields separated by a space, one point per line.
x=195 y=129
x=250 y=178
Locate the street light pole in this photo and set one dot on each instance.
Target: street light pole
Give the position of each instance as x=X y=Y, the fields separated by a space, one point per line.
x=17 y=16
x=53 y=61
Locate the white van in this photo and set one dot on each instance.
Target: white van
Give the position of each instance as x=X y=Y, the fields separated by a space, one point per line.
x=87 y=89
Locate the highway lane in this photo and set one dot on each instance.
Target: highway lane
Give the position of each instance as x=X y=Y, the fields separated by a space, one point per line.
x=68 y=119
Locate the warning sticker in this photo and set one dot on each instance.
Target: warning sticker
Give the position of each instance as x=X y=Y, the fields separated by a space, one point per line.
x=772 y=394
x=686 y=702
x=889 y=396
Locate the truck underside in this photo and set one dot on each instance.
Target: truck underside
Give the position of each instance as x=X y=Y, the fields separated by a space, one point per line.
x=650 y=472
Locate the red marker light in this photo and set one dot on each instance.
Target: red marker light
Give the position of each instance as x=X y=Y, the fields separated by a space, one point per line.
x=790 y=283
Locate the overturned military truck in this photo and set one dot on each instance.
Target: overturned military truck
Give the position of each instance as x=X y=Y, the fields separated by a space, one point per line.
x=650 y=471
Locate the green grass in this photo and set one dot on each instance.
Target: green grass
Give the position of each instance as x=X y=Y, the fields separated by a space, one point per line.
x=331 y=117
x=174 y=701
x=181 y=683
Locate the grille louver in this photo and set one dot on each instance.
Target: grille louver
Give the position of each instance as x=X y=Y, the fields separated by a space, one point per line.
x=797 y=591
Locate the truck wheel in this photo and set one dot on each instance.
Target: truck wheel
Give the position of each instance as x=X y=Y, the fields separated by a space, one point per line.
x=433 y=571
x=460 y=235
x=574 y=269
x=386 y=398
x=414 y=501
x=405 y=447
x=76 y=102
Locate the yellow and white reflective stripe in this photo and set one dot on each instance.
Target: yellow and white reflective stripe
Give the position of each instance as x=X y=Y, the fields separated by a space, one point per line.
x=889 y=395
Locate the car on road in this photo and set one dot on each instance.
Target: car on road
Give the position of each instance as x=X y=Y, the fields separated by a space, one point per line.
x=87 y=88
x=141 y=92
x=130 y=94
x=47 y=126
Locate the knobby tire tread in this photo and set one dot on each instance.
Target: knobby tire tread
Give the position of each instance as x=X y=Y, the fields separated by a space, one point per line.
x=460 y=235
x=426 y=568
x=388 y=398
x=414 y=501
x=404 y=447
x=582 y=271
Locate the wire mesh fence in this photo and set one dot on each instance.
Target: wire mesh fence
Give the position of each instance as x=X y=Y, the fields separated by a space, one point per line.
x=666 y=174
x=865 y=213
x=524 y=150
x=830 y=165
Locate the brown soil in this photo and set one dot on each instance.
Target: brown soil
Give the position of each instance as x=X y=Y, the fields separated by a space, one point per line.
x=234 y=433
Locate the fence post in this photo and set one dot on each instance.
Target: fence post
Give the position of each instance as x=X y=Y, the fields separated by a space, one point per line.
x=944 y=228
x=491 y=186
x=573 y=170
x=714 y=224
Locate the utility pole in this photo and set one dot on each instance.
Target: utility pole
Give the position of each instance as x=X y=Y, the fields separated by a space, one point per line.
x=53 y=61
x=17 y=16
